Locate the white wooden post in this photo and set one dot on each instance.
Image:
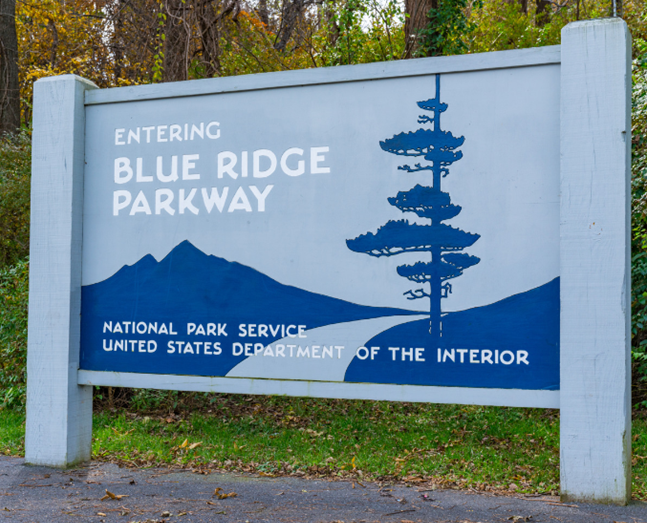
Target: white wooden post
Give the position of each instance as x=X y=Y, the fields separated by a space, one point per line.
x=595 y=398
x=59 y=412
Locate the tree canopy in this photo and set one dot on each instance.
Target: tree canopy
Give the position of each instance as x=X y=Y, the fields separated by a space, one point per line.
x=127 y=42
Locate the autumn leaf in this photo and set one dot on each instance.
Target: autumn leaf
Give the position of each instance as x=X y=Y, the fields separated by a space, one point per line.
x=219 y=493
x=110 y=495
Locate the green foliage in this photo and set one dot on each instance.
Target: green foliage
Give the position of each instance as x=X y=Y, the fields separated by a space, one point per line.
x=336 y=33
x=639 y=216
x=146 y=400
x=448 y=28
x=14 y=286
x=361 y=31
x=504 y=25
x=15 y=161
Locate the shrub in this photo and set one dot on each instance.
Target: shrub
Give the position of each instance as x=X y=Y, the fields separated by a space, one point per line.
x=14 y=287
x=15 y=175
x=639 y=224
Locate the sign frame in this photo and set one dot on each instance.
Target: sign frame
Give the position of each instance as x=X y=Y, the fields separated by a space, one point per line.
x=594 y=395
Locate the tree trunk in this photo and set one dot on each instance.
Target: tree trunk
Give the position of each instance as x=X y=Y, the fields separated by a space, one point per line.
x=542 y=15
x=416 y=20
x=210 y=39
x=263 y=13
x=116 y=46
x=292 y=9
x=176 y=42
x=435 y=309
x=10 y=97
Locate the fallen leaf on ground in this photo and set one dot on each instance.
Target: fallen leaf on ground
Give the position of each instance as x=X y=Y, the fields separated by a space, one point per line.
x=110 y=495
x=195 y=445
x=219 y=493
x=120 y=433
x=101 y=514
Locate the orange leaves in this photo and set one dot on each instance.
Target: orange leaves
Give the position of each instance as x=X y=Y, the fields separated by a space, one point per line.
x=220 y=494
x=110 y=495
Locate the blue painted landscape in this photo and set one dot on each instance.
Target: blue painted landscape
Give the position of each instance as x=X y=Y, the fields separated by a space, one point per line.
x=191 y=286
x=524 y=322
x=513 y=343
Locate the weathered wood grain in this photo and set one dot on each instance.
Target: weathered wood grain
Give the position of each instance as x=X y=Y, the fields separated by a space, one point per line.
x=595 y=253
x=59 y=412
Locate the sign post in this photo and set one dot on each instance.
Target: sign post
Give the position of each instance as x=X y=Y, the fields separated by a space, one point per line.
x=448 y=230
x=595 y=243
x=59 y=410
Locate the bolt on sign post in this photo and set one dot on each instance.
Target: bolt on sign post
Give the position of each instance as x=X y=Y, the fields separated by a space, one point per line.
x=449 y=230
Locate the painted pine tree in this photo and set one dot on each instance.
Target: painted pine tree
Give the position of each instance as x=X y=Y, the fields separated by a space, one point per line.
x=441 y=241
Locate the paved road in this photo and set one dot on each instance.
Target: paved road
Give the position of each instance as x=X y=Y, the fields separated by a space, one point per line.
x=43 y=495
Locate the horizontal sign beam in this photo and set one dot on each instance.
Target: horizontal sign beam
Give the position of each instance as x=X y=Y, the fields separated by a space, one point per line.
x=319 y=389
x=328 y=75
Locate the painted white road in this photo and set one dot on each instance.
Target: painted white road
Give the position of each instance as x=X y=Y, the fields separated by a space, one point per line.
x=351 y=335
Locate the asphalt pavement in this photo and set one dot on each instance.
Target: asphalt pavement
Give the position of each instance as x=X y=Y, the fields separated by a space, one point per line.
x=103 y=492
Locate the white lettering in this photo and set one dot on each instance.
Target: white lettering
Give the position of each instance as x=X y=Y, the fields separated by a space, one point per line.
x=188 y=163
x=257 y=155
x=260 y=196
x=160 y=171
x=185 y=202
x=316 y=158
x=122 y=165
x=120 y=200
x=301 y=164
x=164 y=204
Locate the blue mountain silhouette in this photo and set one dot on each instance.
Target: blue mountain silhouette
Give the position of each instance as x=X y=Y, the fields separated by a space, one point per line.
x=191 y=286
x=528 y=321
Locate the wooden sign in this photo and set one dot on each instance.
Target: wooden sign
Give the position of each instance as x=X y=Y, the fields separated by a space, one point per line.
x=438 y=230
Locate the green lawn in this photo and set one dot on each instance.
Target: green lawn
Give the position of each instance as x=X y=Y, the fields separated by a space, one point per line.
x=465 y=446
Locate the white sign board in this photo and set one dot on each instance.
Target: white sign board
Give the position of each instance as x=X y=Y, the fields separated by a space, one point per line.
x=388 y=231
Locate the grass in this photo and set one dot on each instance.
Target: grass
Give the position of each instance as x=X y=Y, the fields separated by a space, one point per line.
x=486 y=448
x=12 y=433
